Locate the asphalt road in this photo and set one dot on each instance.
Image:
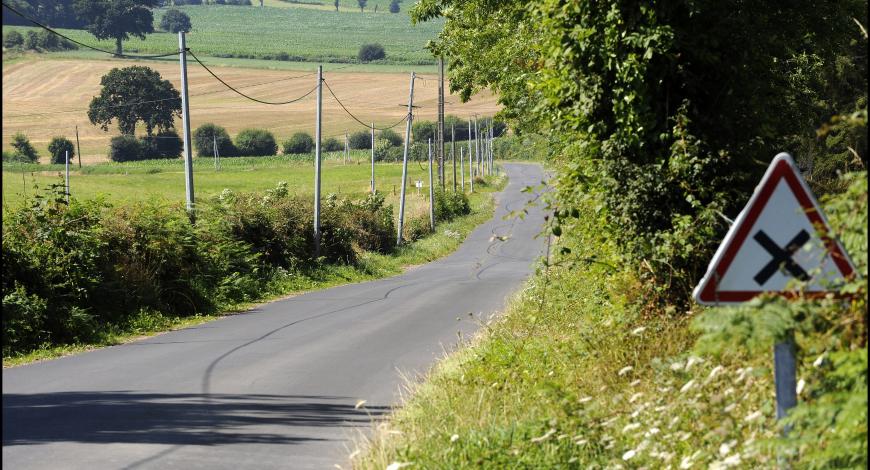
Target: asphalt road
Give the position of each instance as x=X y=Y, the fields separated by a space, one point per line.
x=275 y=387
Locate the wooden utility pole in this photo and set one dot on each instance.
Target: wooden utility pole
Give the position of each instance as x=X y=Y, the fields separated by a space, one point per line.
x=431 y=191
x=470 y=162
x=78 y=146
x=66 y=189
x=185 y=119
x=373 y=158
x=453 y=152
x=317 y=149
x=405 y=162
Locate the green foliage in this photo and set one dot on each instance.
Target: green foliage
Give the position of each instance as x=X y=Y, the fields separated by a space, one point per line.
x=360 y=140
x=449 y=205
x=392 y=136
x=134 y=94
x=166 y=144
x=370 y=52
x=117 y=19
x=13 y=40
x=205 y=136
x=255 y=142
x=126 y=148
x=382 y=150
x=299 y=142
x=520 y=147
x=422 y=131
x=174 y=21
x=58 y=149
x=31 y=40
x=332 y=145
x=22 y=150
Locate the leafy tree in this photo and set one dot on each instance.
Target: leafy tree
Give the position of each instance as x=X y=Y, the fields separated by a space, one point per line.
x=117 y=19
x=175 y=21
x=362 y=5
x=23 y=151
x=166 y=144
x=13 y=39
x=369 y=52
x=300 y=142
x=256 y=142
x=134 y=94
x=126 y=148
x=206 y=135
x=394 y=6
x=58 y=147
x=423 y=131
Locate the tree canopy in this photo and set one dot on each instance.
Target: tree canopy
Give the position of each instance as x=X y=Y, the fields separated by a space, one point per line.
x=117 y=19
x=134 y=94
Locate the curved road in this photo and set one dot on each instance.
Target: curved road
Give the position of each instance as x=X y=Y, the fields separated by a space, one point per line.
x=275 y=387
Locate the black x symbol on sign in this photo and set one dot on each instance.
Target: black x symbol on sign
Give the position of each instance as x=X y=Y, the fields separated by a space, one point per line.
x=782 y=258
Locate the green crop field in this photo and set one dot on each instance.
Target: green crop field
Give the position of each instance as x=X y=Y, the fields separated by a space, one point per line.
x=304 y=34
x=164 y=179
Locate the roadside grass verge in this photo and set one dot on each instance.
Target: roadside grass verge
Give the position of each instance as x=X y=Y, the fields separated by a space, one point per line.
x=283 y=283
x=578 y=374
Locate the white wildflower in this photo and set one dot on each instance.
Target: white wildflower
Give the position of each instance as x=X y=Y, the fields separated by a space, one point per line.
x=628 y=455
x=652 y=432
x=688 y=385
x=608 y=422
x=800 y=386
x=454 y=438
x=732 y=460
x=692 y=361
x=635 y=397
x=545 y=436
x=625 y=370
x=397 y=465
x=585 y=399
x=728 y=391
x=638 y=331
x=714 y=373
x=581 y=442
x=676 y=366
x=635 y=383
x=724 y=449
x=630 y=427
x=729 y=408
x=686 y=463
x=753 y=416
x=819 y=360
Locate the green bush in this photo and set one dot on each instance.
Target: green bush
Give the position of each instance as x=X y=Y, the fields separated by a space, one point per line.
x=332 y=145
x=360 y=140
x=416 y=228
x=58 y=148
x=13 y=40
x=255 y=143
x=298 y=143
x=370 y=52
x=204 y=138
x=449 y=205
x=392 y=136
x=126 y=148
x=31 y=41
x=23 y=151
x=165 y=144
x=422 y=131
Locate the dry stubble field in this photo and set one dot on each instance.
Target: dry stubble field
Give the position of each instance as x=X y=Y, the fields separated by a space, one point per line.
x=44 y=98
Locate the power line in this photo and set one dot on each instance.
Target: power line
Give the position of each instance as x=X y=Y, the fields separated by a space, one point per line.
x=50 y=30
x=244 y=95
x=367 y=126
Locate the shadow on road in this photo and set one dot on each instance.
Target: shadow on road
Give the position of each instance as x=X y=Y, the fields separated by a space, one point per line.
x=182 y=419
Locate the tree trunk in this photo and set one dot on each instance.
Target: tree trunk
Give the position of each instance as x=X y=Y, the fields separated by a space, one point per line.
x=118 y=46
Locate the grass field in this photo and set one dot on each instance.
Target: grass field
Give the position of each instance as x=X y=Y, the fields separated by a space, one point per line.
x=164 y=179
x=305 y=34
x=44 y=98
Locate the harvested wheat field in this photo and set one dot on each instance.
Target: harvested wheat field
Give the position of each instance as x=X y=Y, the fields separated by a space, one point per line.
x=46 y=98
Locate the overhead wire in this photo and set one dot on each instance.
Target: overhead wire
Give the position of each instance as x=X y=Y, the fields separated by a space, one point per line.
x=49 y=29
x=367 y=126
x=274 y=103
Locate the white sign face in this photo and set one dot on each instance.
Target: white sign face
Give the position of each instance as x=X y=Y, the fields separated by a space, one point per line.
x=777 y=239
x=419 y=183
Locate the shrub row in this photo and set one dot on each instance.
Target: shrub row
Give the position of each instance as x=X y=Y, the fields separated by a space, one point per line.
x=165 y=144
x=36 y=41
x=68 y=270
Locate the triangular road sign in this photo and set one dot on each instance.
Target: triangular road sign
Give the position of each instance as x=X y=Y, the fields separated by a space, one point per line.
x=775 y=241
